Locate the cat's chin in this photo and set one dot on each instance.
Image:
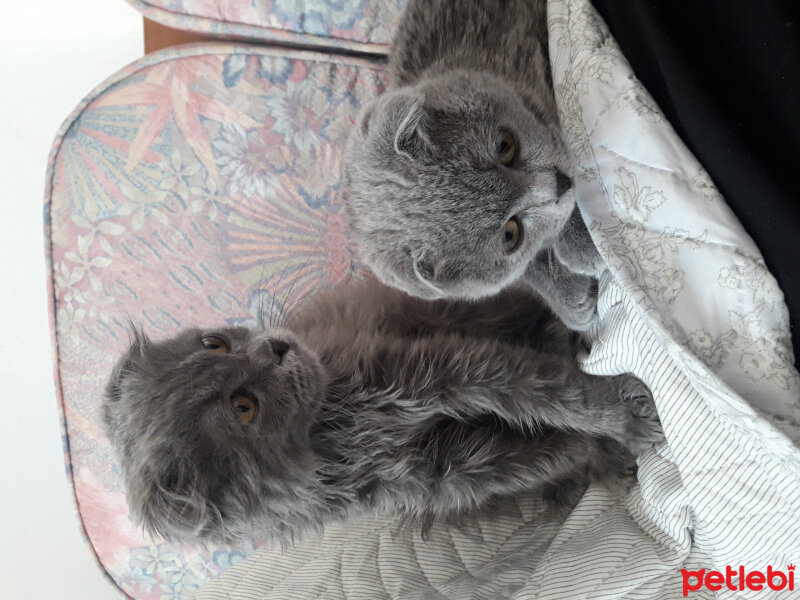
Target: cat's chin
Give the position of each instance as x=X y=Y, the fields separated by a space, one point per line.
x=462 y=289
x=478 y=290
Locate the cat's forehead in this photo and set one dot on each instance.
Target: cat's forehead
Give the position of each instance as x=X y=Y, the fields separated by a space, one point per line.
x=185 y=342
x=198 y=334
x=470 y=97
x=233 y=333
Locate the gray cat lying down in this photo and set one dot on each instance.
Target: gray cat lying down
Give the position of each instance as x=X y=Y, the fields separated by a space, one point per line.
x=456 y=182
x=367 y=400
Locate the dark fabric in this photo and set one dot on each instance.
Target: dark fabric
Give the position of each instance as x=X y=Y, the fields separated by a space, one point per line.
x=727 y=76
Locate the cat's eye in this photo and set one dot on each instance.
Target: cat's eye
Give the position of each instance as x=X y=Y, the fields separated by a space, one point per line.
x=506 y=147
x=512 y=235
x=244 y=407
x=215 y=344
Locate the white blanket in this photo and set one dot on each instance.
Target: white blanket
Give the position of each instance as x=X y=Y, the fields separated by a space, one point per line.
x=689 y=307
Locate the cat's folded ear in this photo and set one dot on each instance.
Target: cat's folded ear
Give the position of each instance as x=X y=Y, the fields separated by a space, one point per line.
x=138 y=339
x=365 y=117
x=139 y=343
x=407 y=113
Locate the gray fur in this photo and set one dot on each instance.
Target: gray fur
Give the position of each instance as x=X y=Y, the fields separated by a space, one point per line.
x=425 y=195
x=383 y=402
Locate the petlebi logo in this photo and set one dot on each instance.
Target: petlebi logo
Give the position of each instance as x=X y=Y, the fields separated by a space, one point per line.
x=738 y=579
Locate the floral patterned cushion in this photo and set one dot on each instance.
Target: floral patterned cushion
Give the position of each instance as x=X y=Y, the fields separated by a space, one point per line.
x=196 y=186
x=356 y=25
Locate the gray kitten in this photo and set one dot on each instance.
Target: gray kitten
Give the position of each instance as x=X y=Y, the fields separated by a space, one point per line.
x=456 y=182
x=368 y=399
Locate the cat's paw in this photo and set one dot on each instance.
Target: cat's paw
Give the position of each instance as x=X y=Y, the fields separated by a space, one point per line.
x=571 y=296
x=575 y=248
x=643 y=429
x=578 y=296
x=561 y=496
x=614 y=467
x=580 y=258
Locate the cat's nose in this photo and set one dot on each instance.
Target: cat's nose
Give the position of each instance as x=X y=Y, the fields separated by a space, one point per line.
x=563 y=183
x=279 y=347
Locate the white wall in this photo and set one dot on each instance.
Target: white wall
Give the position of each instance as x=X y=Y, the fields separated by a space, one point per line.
x=52 y=53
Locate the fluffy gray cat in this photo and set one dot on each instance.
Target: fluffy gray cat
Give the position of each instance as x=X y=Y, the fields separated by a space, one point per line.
x=456 y=182
x=367 y=400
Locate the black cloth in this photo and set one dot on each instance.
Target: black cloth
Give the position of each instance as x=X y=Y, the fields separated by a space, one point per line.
x=727 y=76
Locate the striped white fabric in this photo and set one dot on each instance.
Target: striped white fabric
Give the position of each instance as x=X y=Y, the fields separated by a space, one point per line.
x=688 y=306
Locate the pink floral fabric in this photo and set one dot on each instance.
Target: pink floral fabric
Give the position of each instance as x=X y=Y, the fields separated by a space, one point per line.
x=355 y=25
x=197 y=186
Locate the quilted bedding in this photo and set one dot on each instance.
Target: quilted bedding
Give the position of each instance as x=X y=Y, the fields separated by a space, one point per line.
x=200 y=184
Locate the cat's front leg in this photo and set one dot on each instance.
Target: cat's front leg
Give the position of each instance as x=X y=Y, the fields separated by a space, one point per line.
x=644 y=429
x=467 y=466
x=575 y=247
x=537 y=389
x=571 y=296
x=637 y=426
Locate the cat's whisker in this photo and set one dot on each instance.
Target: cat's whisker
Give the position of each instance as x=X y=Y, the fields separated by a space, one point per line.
x=279 y=321
x=259 y=287
x=284 y=313
x=274 y=318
